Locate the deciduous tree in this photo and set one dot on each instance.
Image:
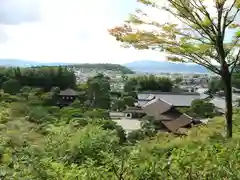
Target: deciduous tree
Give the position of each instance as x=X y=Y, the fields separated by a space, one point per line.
x=198 y=36
x=99 y=91
x=201 y=108
x=214 y=86
x=11 y=86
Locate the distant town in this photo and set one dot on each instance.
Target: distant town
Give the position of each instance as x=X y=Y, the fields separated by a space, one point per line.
x=117 y=78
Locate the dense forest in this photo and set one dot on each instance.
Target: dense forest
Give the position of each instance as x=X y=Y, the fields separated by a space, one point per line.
x=146 y=83
x=43 y=77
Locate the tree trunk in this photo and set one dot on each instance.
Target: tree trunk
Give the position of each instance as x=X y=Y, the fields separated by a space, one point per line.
x=226 y=78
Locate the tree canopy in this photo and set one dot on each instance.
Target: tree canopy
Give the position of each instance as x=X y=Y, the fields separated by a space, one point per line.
x=196 y=33
x=149 y=83
x=43 y=77
x=99 y=91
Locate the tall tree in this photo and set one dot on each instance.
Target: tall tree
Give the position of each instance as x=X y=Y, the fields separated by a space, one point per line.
x=42 y=77
x=148 y=83
x=214 y=86
x=99 y=91
x=199 y=36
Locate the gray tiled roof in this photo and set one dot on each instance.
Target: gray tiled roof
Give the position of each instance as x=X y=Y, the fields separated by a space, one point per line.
x=219 y=102
x=143 y=96
x=235 y=96
x=68 y=92
x=141 y=103
x=174 y=99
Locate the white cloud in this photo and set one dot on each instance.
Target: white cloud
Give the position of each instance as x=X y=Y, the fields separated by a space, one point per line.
x=17 y=11
x=69 y=31
x=72 y=31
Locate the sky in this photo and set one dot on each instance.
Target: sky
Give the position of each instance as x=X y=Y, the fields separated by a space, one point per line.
x=66 y=31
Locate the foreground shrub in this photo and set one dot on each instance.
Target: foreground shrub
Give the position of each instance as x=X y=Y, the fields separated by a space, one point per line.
x=89 y=142
x=136 y=135
x=111 y=125
x=11 y=86
x=97 y=113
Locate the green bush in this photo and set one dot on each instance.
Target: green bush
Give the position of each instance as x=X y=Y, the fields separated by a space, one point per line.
x=97 y=113
x=111 y=125
x=90 y=142
x=80 y=122
x=18 y=109
x=9 y=98
x=11 y=86
x=135 y=136
x=69 y=112
x=202 y=108
x=39 y=115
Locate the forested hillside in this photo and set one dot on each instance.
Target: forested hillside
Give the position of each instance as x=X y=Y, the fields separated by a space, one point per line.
x=103 y=67
x=77 y=66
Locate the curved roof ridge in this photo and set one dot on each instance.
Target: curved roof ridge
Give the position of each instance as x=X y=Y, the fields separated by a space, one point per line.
x=187 y=116
x=172 y=93
x=155 y=99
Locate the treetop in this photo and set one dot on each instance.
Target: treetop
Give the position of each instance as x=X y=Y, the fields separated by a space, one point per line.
x=197 y=34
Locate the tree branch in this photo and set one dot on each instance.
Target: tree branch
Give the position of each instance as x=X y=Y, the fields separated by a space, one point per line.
x=233 y=46
x=194 y=57
x=227 y=13
x=234 y=16
x=235 y=62
x=203 y=8
x=197 y=30
x=194 y=20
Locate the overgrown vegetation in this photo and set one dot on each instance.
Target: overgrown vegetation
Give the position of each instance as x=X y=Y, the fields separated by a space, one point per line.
x=43 y=77
x=200 y=109
x=41 y=141
x=44 y=142
x=148 y=83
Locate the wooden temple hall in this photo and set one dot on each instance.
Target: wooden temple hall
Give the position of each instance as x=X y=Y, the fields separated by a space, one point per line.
x=67 y=96
x=165 y=115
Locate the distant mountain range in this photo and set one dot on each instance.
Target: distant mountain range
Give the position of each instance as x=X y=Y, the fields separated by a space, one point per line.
x=137 y=66
x=164 y=66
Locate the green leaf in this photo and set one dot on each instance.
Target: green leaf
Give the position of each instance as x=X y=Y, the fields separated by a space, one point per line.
x=237 y=34
x=237 y=4
x=233 y=26
x=206 y=22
